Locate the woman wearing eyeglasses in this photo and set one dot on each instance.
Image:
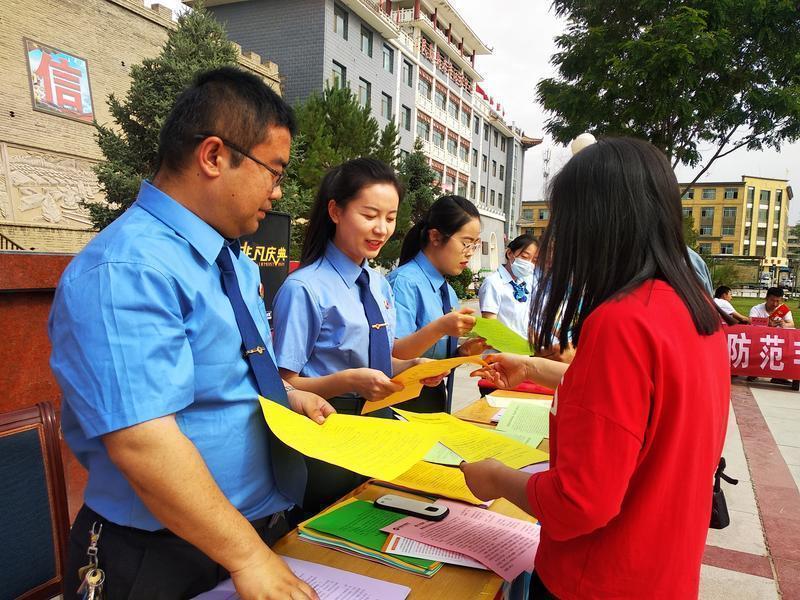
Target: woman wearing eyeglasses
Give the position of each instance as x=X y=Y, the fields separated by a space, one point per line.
x=429 y=320
x=505 y=295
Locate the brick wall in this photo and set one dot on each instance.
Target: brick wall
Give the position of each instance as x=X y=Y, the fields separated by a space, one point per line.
x=287 y=33
x=45 y=159
x=40 y=239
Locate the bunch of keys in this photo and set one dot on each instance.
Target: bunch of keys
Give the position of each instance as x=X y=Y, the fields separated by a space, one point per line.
x=91 y=576
x=91 y=586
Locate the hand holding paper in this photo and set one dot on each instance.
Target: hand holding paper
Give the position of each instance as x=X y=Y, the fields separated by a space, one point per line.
x=380 y=448
x=413 y=377
x=505 y=371
x=500 y=337
x=436 y=479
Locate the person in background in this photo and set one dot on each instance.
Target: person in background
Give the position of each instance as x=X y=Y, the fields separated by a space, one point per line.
x=150 y=326
x=722 y=298
x=334 y=317
x=773 y=309
x=505 y=295
x=639 y=418
x=701 y=270
x=429 y=320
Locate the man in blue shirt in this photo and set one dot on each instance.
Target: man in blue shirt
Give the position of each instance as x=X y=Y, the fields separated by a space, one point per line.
x=160 y=405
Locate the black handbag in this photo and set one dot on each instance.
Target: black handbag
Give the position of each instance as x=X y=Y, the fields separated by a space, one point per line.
x=720 y=518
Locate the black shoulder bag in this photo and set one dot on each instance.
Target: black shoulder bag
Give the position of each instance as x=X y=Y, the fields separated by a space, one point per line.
x=720 y=518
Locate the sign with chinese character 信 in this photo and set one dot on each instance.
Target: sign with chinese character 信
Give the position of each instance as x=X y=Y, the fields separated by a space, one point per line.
x=59 y=82
x=269 y=249
x=764 y=351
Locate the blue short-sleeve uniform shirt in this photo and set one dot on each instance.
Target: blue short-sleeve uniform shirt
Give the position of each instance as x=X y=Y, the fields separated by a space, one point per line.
x=320 y=324
x=417 y=292
x=141 y=328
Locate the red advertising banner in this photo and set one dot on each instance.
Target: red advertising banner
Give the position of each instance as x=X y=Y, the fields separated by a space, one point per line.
x=764 y=351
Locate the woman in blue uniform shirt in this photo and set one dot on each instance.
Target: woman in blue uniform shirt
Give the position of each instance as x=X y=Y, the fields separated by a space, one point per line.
x=429 y=320
x=334 y=317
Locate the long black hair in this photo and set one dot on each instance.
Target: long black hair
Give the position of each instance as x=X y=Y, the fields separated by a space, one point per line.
x=615 y=222
x=447 y=215
x=342 y=184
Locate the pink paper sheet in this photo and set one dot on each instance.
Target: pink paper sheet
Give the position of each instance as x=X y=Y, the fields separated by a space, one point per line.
x=504 y=544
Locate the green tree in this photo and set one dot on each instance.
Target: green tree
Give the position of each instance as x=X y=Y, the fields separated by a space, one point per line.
x=689 y=232
x=295 y=200
x=718 y=73
x=419 y=182
x=335 y=128
x=389 y=144
x=332 y=128
x=725 y=273
x=130 y=144
x=461 y=283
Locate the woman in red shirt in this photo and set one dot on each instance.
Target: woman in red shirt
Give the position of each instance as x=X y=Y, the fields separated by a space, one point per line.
x=638 y=419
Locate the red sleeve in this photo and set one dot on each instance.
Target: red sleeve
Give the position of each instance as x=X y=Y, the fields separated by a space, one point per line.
x=601 y=417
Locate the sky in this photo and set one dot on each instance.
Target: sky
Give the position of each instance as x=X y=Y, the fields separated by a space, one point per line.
x=521 y=34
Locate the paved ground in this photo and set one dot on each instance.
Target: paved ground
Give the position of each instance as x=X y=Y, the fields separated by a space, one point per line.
x=758 y=555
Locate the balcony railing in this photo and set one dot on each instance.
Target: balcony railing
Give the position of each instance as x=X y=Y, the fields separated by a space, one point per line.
x=375 y=16
x=7 y=244
x=406 y=16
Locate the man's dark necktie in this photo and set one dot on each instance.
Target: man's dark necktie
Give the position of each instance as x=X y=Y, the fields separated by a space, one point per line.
x=288 y=466
x=380 y=351
x=452 y=343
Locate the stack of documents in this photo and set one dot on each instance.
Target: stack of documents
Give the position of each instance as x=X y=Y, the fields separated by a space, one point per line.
x=504 y=544
x=354 y=526
x=502 y=398
x=525 y=419
x=471 y=443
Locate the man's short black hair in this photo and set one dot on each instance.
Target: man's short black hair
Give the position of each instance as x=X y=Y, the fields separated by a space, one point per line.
x=228 y=102
x=775 y=291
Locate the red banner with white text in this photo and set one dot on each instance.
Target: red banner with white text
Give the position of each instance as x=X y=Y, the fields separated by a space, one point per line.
x=764 y=351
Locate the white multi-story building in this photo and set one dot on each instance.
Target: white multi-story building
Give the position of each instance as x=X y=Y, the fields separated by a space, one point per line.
x=413 y=62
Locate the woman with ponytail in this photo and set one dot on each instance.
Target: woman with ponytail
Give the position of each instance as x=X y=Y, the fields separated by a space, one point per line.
x=334 y=317
x=429 y=321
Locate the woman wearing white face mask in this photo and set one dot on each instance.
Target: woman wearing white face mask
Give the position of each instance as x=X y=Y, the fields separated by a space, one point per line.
x=506 y=294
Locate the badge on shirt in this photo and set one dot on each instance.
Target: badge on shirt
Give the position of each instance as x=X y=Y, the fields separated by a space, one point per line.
x=387 y=305
x=261 y=290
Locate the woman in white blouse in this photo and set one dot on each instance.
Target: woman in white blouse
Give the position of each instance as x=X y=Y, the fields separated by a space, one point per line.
x=506 y=294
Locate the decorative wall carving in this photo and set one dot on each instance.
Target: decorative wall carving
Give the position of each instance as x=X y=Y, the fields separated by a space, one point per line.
x=46 y=188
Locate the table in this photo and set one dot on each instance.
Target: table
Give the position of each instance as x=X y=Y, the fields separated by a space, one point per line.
x=450 y=582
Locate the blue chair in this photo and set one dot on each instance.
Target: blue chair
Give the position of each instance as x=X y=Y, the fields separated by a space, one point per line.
x=34 y=521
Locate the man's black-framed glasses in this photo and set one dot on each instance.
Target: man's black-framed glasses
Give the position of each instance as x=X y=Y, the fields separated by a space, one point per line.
x=278 y=176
